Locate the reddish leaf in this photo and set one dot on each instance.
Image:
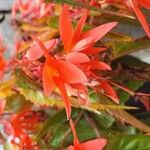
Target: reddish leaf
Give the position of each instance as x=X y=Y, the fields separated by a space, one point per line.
x=141 y=17
x=65 y=28
x=36 y=52
x=77 y=58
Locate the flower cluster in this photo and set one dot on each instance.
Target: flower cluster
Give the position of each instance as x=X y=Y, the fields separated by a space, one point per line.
x=67 y=64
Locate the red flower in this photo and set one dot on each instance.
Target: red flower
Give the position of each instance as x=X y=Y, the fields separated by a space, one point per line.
x=76 y=40
x=57 y=73
x=22 y=124
x=97 y=144
x=31 y=9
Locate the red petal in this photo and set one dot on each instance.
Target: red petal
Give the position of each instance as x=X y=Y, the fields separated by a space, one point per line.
x=77 y=58
x=82 y=45
x=93 y=50
x=2 y=105
x=97 y=33
x=141 y=18
x=96 y=65
x=70 y=73
x=48 y=83
x=144 y=3
x=36 y=52
x=65 y=28
x=109 y=91
x=79 y=27
x=64 y=95
x=92 y=36
x=97 y=144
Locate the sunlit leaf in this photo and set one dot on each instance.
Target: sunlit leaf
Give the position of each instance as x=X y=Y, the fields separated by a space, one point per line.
x=6 y=88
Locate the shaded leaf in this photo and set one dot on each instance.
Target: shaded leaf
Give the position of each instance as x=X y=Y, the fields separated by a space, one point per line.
x=128 y=142
x=123 y=116
x=120 y=48
x=17 y=103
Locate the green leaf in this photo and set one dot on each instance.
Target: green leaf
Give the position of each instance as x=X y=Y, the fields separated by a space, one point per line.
x=132 y=85
x=130 y=62
x=24 y=81
x=120 y=48
x=9 y=146
x=53 y=22
x=118 y=37
x=57 y=118
x=37 y=97
x=17 y=103
x=128 y=142
x=123 y=116
x=104 y=120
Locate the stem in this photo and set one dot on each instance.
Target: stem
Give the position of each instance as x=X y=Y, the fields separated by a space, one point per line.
x=92 y=124
x=69 y=130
